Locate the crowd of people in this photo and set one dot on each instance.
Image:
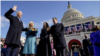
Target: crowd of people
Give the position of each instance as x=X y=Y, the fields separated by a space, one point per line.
x=30 y=47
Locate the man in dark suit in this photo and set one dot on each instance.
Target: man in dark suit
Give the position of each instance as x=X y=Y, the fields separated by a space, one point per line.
x=14 y=33
x=57 y=31
x=86 y=43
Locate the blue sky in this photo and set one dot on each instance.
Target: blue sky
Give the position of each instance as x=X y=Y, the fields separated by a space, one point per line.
x=41 y=11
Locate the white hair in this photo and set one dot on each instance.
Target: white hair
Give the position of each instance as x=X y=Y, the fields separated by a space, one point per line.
x=18 y=12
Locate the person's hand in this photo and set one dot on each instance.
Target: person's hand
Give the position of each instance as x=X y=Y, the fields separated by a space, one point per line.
x=50 y=35
x=97 y=44
x=46 y=36
x=33 y=29
x=14 y=8
x=56 y=34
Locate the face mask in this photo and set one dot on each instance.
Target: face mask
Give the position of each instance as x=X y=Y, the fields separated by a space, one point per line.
x=85 y=36
x=94 y=29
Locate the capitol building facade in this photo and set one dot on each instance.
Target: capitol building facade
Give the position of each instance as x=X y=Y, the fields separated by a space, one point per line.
x=76 y=25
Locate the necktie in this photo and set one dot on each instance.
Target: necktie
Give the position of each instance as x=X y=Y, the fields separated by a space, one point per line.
x=19 y=19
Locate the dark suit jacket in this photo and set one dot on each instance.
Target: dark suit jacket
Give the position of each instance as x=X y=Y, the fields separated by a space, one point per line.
x=58 y=35
x=15 y=29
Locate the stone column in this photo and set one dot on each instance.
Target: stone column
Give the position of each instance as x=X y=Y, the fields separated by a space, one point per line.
x=91 y=23
x=70 y=28
x=81 y=25
x=84 y=26
x=76 y=27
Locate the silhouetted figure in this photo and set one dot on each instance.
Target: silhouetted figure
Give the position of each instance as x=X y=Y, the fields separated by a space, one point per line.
x=57 y=31
x=14 y=33
x=86 y=43
x=44 y=47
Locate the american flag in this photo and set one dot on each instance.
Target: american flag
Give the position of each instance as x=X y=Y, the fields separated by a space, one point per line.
x=80 y=28
x=74 y=29
x=68 y=30
x=86 y=27
x=90 y=26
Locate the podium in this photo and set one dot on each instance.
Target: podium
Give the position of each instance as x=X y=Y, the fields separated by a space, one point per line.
x=75 y=53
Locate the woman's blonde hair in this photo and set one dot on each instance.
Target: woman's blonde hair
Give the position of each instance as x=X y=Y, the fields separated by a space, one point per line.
x=30 y=23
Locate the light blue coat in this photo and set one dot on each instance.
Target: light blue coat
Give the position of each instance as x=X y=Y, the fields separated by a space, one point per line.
x=30 y=46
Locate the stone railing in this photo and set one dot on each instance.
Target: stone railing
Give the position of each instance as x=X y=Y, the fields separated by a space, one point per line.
x=76 y=34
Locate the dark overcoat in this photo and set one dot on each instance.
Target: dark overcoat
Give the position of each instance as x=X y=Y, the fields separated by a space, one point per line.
x=15 y=29
x=86 y=43
x=44 y=48
x=57 y=32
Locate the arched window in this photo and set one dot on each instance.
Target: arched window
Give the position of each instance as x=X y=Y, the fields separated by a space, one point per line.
x=73 y=15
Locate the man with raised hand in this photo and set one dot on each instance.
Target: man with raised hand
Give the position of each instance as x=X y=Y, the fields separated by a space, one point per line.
x=14 y=33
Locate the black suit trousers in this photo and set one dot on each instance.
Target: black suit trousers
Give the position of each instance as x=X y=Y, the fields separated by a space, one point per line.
x=60 y=51
x=12 y=50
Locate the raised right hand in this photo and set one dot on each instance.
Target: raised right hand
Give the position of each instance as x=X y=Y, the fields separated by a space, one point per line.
x=14 y=8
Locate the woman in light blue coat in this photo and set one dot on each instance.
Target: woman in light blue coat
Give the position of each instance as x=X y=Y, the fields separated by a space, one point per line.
x=30 y=46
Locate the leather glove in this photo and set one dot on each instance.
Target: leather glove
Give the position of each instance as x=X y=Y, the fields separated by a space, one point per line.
x=56 y=34
x=46 y=36
x=98 y=44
